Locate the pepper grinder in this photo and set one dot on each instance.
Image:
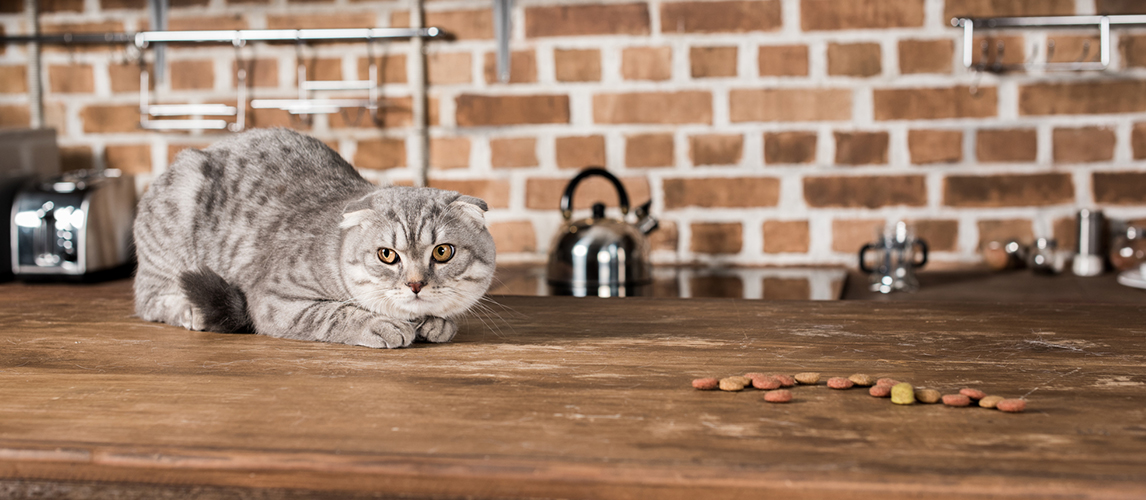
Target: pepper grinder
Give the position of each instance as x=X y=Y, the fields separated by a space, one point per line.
x=1088 y=259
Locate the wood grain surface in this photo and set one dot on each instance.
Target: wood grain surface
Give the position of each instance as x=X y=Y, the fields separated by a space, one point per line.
x=547 y=397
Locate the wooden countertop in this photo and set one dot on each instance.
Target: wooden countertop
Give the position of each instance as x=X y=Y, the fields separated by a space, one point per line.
x=573 y=398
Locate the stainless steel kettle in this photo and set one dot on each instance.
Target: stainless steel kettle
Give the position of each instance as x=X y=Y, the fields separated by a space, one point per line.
x=599 y=256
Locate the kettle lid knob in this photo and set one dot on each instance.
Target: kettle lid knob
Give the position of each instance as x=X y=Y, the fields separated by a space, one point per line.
x=598 y=210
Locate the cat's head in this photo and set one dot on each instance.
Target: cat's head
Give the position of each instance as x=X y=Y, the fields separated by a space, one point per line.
x=412 y=252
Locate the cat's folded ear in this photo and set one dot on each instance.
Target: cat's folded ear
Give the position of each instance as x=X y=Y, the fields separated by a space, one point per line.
x=356 y=213
x=471 y=207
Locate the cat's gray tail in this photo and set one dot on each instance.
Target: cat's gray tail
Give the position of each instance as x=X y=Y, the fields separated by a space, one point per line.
x=224 y=306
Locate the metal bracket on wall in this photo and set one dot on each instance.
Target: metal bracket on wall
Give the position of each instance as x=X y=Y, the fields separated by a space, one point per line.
x=991 y=59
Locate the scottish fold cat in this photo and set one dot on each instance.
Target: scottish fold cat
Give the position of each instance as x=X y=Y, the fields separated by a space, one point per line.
x=273 y=232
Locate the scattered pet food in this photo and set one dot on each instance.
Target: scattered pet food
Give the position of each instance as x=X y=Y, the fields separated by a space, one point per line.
x=990 y=401
x=929 y=396
x=975 y=394
x=731 y=384
x=1011 y=405
x=862 y=379
x=785 y=380
x=706 y=384
x=880 y=391
x=956 y=400
x=808 y=378
x=778 y=396
x=840 y=383
x=765 y=382
x=903 y=394
x=886 y=381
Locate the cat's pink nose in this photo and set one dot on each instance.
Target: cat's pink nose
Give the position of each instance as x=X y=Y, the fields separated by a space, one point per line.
x=416 y=286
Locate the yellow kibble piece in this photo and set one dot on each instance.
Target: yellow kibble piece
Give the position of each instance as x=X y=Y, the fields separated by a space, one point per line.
x=902 y=394
x=990 y=401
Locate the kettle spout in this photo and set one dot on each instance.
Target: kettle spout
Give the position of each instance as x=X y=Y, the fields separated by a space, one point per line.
x=646 y=223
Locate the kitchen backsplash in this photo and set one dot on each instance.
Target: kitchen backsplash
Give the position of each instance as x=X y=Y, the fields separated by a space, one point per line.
x=766 y=132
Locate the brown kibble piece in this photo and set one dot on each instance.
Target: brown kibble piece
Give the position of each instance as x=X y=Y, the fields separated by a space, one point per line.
x=990 y=401
x=778 y=396
x=731 y=384
x=807 y=378
x=840 y=383
x=880 y=391
x=956 y=400
x=706 y=384
x=742 y=380
x=887 y=381
x=975 y=394
x=1011 y=405
x=929 y=396
x=764 y=382
x=862 y=379
x=785 y=380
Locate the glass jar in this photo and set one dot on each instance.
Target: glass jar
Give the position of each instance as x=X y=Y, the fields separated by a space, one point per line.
x=1128 y=250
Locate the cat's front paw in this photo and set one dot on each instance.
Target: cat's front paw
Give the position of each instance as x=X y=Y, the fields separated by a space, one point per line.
x=192 y=318
x=434 y=329
x=387 y=334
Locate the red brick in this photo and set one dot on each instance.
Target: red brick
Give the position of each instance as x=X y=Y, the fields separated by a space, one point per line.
x=323 y=69
x=174 y=149
x=495 y=192
x=191 y=75
x=545 y=194
x=1065 y=231
x=51 y=6
x=1083 y=145
x=131 y=159
x=720 y=16
x=689 y=106
x=478 y=110
x=590 y=19
x=935 y=146
x=176 y=4
x=717 y=237
x=450 y=152
x=666 y=237
x=865 y=191
x=787 y=289
x=935 y=103
x=122 y=4
x=462 y=24
x=649 y=150
x=13 y=8
x=266 y=118
x=940 y=235
x=380 y=154
x=110 y=118
x=789 y=147
x=1120 y=7
x=1138 y=140
x=1007 y=8
x=646 y=63
x=712 y=62
x=76 y=158
x=261 y=73
x=783 y=60
x=446 y=68
x=1000 y=49
x=522 y=67
x=1069 y=48
x=1012 y=145
x=513 y=153
x=1133 y=50
x=342 y=19
x=1005 y=230
x=581 y=152
x=722 y=192
x=1091 y=97
x=1013 y=190
x=786 y=236
x=124 y=77
x=514 y=237
x=15 y=116
x=716 y=286
x=391 y=68
x=71 y=79
x=393 y=112
x=854 y=59
x=848 y=236
x=13 y=79
x=577 y=65
x=790 y=105
x=860 y=14
x=925 y=56
x=716 y=149
x=191 y=23
x=861 y=148
x=1120 y=188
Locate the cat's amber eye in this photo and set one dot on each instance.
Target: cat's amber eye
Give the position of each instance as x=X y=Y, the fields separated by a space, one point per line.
x=443 y=253
x=387 y=255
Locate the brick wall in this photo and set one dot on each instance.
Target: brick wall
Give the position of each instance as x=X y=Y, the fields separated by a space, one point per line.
x=765 y=131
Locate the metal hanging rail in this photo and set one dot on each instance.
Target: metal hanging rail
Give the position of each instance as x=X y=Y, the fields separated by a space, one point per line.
x=145 y=38
x=1102 y=23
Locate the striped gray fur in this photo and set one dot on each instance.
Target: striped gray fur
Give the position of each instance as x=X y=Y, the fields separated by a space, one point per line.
x=277 y=226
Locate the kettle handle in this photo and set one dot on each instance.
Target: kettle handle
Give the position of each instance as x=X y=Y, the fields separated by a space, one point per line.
x=567 y=197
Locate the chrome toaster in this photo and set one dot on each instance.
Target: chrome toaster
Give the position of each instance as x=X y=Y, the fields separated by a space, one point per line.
x=75 y=225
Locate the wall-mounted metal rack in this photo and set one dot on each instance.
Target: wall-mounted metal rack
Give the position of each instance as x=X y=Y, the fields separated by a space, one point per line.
x=992 y=62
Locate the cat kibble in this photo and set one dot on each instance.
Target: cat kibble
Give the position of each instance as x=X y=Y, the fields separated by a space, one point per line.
x=880 y=391
x=975 y=394
x=731 y=384
x=706 y=384
x=764 y=382
x=840 y=383
x=807 y=378
x=778 y=396
x=956 y=400
x=929 y=396
x=990 y=401
x=785 y=380
x=902 y=394
x=1011 y=405
x=742 y=380
x=886 y=381
x=862 y=379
